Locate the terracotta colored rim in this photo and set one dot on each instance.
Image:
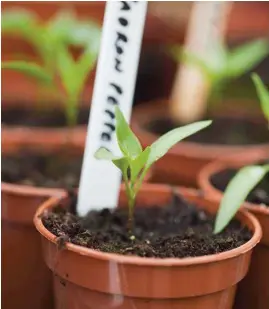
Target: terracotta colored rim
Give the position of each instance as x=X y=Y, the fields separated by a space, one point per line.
x=189 y=149
x=25 y=190
x=151 y=261
x=234 y=161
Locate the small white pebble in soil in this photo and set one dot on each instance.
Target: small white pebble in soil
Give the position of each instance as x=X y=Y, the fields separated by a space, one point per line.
x=132 y=237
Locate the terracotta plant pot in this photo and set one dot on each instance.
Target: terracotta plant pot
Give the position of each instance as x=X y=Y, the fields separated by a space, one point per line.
x=254 y=289
x=86 y=278
x=183 y=162
x=26 y=282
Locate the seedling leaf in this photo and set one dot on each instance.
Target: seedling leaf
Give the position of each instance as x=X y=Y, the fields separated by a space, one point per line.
x=128 y=142
x=28 y=68
x=160 y=147
x=236 y=193
x=138 y=163
x=245 y=57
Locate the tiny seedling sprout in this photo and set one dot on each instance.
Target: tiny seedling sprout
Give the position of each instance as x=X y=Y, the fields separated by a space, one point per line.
x=247 y=178
x=51 y=42
x=136 y=161
x=223 y=65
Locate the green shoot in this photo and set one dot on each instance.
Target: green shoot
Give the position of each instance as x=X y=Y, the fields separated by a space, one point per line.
x=263 y=94
x=51 y=42
x=247 y=178
x=136 y=161
x=236 y=193
x=223 y=65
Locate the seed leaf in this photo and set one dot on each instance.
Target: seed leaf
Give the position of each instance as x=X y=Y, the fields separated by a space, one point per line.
x=160 y=147
x=128 y=142
x=236 y=193
x=104 y=154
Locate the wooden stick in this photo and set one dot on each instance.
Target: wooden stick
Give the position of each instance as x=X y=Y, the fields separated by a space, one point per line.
x=191 y=89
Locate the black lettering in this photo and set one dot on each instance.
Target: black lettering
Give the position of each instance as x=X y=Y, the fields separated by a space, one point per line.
x=117 y=65
x=125 y=6
x=110 y=126
x=106 y=136
x=121 y=37
x=111 y=114
x=117 y=88
x=112 y=100
x=123 y=21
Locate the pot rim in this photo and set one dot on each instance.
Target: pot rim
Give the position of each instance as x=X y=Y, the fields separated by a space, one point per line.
x=185 y=148
x=25 y=190
x=166 y=262
x=217 y=166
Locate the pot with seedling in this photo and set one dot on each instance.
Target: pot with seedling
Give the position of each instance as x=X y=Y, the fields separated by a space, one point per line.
x=154 y=250
x=232 y=127
x=41 y=162
x=55 y=72
x=244 y=179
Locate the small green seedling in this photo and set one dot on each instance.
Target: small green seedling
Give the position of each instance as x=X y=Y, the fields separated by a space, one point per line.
x=247 y=178
x=223 y=65
x=135 y=161
x=51 y=41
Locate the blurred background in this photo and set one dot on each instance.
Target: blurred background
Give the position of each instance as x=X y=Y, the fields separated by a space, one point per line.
x=165 y=25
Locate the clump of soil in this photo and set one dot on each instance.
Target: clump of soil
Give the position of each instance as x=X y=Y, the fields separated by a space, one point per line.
x=42 y=170
x=259 y=195
x=39 y=117
x=177 y=230
x=223 y=130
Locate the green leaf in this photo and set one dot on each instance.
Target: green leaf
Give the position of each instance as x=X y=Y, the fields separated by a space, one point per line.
x=18 y=21
x=245 y=57
x=28 y=68
x=25 y=24
x=263 y=94
x=138 y=163
x=160 y=147
x=66 y=67
x=104 y=154
x=121 y=163
x=236 y=193
x=128 y=142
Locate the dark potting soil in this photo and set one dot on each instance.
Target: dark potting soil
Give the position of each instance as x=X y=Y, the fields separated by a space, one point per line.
x=49 y=117
x=177 y=230
x=42 y=170
x=259 y=195
x=225 y=131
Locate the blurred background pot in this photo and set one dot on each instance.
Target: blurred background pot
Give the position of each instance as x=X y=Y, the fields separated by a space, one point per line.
x=253 y=291
x=26 y=282
x=183 y=162
x=129 y=281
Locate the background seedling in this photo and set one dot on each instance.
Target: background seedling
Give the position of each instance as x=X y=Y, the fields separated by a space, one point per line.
x=51 y=42
x=135 y=162
x=223 y=65
x=247 y=178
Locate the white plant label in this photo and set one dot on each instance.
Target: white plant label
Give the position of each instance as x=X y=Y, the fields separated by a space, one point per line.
x=207 y=26
x=114 y=86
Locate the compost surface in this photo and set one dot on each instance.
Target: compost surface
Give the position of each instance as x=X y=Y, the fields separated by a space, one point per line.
x=178 y=229
x=57 y=170
x=39 y=117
